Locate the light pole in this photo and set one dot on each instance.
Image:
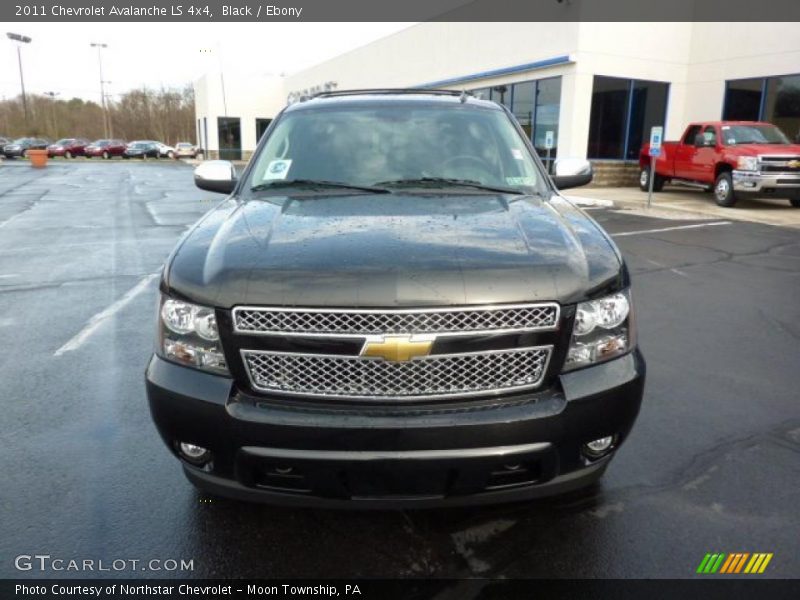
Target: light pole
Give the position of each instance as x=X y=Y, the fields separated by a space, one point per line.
x=108 y=112
x=52 y=96
x=21 y=39
x=102 y=84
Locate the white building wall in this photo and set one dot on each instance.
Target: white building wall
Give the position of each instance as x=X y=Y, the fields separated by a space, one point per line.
x=725 y=51
x=246 y=97
x=695 y=58
x=430 y=52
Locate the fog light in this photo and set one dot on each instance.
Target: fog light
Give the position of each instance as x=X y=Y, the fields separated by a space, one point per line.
x=194 y=454
x=598 y=447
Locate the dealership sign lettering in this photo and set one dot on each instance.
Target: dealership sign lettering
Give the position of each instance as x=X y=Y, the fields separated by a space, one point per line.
x=298 y=95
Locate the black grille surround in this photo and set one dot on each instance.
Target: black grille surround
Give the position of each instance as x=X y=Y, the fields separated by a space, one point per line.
x=237 y=346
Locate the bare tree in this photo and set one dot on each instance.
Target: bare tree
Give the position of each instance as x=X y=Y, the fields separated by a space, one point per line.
x=165 y=115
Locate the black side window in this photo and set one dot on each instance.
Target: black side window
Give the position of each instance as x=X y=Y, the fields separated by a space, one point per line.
x=691 y=134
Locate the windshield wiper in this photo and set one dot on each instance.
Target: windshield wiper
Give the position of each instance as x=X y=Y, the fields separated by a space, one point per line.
x=316 y=183
x=447 y=181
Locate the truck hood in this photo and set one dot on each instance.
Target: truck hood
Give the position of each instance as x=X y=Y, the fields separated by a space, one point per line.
x=392 y=251
x=766 y=149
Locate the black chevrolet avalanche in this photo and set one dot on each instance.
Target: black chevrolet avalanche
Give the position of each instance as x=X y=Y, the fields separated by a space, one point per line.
x=394 y=306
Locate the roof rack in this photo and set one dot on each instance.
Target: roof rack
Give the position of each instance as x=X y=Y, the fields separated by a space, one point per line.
x=435 y=91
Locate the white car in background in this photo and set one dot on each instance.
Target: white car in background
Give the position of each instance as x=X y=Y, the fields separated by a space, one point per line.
x=187 y=150
x=165 y=150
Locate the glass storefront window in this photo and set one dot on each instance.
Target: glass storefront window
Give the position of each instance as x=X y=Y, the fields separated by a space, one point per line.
x=772 y=99
x=522 y=107
x=623 y=112
x=648 y=109
x=743 y=100
x=261 y=127
x=502 y=94
x=535 y=104
x=782 y=105
x=229 y=130
x=548 y=105
x=608 y=117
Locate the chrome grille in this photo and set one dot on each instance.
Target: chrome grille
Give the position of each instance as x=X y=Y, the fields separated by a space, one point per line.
x=460 y=321
x=376 y=379
x=780 y=164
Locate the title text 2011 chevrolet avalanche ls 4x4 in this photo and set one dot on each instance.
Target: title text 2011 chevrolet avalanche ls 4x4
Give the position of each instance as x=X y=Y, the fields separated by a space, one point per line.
x=394 y=306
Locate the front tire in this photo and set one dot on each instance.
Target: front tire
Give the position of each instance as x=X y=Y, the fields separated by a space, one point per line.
x=644 y=181
x=105 y=156
x=67 y=154
x=723 y=190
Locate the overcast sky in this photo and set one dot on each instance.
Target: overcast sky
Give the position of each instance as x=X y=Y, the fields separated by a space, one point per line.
x=60 y=59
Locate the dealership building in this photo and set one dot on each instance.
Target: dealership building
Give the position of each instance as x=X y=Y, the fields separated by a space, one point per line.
x=594 y=89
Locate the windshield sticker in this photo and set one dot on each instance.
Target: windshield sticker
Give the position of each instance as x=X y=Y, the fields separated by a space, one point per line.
x=521 y=180
x=277 y=169
x=517 y=153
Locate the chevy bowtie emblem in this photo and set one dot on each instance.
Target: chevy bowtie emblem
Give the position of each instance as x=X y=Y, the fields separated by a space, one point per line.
x=793 y=164
x=397 y=348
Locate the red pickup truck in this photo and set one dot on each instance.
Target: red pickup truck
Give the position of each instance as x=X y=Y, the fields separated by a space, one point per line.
x=735 y=159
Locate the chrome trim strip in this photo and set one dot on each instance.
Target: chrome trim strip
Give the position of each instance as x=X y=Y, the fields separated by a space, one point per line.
x=400 y=311
x=367 y=455
x=403 y=399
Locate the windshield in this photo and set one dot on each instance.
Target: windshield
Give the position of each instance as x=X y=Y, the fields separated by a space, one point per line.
x=752 y=134
x=63 y=142
x=100 y=143
x=390 y=144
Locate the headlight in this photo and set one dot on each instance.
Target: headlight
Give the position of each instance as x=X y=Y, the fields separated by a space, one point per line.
x=603 y=330
x=188 y=335
x=747 y=163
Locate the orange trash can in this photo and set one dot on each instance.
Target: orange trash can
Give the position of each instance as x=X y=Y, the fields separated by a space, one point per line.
x=38 y=158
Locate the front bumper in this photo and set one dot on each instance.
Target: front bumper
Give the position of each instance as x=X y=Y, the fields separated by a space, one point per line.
x=773 y=183
x=504 y=449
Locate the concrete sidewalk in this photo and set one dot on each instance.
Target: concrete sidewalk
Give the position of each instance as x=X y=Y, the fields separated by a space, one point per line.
x=676 y=199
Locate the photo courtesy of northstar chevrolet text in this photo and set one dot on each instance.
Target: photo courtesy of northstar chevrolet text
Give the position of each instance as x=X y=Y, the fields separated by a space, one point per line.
x=443 y=299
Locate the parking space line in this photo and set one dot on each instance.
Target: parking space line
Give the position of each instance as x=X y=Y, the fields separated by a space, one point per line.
x=108 y=312
x=694 y=226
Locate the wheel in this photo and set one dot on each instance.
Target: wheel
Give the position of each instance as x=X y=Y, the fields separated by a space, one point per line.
x=644 y=181
x=795 y=201
x=170 y=154
x=67 y=154
x=24 y=154
x=723 y=190
x=105 y=155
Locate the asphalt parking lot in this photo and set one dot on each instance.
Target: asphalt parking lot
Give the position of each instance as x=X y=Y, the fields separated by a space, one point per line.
x=711 y=466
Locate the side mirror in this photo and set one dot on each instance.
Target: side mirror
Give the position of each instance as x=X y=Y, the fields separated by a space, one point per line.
x=215 y=176
x=571 y=172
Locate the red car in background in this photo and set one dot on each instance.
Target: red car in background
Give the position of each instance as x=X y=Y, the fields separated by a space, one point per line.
x=105 y=148
x=67 y=147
